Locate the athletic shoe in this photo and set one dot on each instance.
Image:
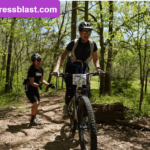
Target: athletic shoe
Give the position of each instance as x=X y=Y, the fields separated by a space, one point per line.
x=38 y=121
x=35 y=122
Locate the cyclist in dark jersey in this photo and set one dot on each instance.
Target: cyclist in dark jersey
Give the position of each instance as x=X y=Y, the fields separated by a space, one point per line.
x=82 y=51
x=35 y=75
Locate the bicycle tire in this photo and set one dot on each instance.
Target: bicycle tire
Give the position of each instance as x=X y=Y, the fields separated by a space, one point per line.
x=91 y=141
x=73 y=122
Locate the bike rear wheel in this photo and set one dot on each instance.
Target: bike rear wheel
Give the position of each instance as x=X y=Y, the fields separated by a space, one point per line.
x=86 y=125
x=73 y=121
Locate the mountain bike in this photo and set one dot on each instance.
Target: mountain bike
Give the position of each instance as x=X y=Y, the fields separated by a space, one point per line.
x=80 y=112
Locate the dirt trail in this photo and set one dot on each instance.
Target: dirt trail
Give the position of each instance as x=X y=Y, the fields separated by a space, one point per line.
x=55 y=133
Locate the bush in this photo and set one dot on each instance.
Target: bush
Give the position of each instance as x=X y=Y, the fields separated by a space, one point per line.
x=119 y=86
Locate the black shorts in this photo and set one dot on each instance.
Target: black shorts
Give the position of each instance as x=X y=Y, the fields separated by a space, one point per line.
x=33 y=96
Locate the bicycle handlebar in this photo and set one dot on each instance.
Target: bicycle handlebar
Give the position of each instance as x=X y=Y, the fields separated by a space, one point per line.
x=70 y=74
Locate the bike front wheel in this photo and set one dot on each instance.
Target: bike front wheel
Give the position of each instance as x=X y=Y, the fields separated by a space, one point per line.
x=86 y=125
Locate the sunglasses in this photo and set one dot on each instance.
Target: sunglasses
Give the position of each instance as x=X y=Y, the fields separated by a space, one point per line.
x=38 y=60
x=88 y=32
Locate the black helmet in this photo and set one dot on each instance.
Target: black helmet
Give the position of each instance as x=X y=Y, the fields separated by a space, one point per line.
x=35 y=56
x=85 y=25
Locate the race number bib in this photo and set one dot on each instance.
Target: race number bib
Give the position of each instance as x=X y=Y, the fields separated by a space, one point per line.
x=79 y=79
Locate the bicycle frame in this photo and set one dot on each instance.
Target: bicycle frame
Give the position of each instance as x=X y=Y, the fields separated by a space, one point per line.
x=77 y=92
x=80 y=112
x=75 y=98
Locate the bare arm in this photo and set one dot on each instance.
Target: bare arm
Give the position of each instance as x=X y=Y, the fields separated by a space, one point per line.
x=60 y=60
x=44 y=82
x=96 y=63
x=32 y=82
x=95 y=59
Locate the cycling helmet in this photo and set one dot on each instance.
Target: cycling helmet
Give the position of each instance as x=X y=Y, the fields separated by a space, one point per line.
x=85 y=25
x=35 y=56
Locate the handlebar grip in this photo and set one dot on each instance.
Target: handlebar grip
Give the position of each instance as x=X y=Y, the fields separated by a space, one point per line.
x=103 y=73
x=97 y=74
x=56 y=72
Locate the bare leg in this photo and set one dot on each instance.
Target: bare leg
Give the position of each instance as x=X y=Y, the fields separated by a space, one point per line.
x=34 y=108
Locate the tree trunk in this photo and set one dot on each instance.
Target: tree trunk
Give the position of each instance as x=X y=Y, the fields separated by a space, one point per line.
x=146 y=80
x=86 y=10
x=4 y=55
x=73 y=20
x=138 y=47
x=133 y=123
x=108 y=112
x=4 y=51
x=62 y=83
x=102 y=52
x=109 y=58
x=141 y=96
x=12 y=72
x=145 y=57
x=50 y=77
x=142 y=68
x=7 y=85
x=55 y=51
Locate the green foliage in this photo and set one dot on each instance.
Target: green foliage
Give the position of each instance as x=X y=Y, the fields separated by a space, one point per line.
x=2 y=85
x=129 y=97
x=20 y=111
x=120 y=86
x=11 y=98
x=45 y=36
x=18 y=83
x=129 y=114
x=16 y=92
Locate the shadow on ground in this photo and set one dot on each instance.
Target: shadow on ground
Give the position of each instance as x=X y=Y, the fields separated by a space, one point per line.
x=18 y=128
x=63 y=141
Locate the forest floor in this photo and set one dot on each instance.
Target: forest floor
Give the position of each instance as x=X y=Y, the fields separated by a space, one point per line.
x=55 y=133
